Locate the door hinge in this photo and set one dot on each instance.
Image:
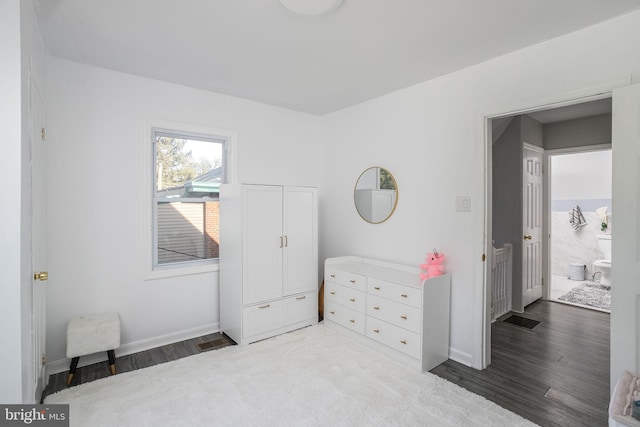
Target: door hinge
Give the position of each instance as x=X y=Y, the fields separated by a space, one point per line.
x=484 y=257
x=44 y=359
x=42 y=134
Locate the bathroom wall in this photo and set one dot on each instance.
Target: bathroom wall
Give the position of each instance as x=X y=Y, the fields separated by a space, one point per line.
x=582 y=179
x=581 y=132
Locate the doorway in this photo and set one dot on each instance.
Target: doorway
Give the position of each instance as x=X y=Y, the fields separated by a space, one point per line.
x=580 y=203
x=587 y=123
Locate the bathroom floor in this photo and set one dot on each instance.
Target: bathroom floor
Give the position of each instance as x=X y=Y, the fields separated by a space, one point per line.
x=562 y=285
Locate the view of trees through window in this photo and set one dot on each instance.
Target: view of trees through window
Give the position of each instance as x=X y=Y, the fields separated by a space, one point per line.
x=386 y=180
x=176 y=164
x=187 y=178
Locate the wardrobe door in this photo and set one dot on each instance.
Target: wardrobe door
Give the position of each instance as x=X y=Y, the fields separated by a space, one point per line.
x=300 y=228
x=262 y=242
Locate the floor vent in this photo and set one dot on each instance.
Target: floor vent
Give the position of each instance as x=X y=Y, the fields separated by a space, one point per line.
x=522 y=321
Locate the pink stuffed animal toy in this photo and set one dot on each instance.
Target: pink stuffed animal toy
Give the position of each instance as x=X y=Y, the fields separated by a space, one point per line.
x=433 y=267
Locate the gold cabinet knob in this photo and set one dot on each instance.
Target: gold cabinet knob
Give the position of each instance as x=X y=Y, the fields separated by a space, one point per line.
x=403 y=317
x=352 y=281
x=332 y=293
x=377 y=288
x=376 y=308
x=352 y=321
x=332 y=312
x=527 y=237
x=43 y=275
x=377 y=331
x=403 y=341
x=403 y=295
x=332 y=275
x=352 y=299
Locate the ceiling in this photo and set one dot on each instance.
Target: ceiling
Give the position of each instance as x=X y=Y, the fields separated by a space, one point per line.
x=571 y=112
x=257 y=49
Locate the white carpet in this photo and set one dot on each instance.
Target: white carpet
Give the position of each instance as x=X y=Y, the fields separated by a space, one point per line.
x=310 y=377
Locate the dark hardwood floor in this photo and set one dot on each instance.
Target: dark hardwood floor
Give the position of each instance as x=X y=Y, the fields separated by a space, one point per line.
x=139 y=360
x=554 y=375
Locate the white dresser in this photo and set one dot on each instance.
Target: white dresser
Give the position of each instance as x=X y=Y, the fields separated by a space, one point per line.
x=268 y=260
x=386 y=306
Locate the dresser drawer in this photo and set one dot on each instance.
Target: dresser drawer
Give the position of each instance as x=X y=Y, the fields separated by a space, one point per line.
x=300 y=308
x=345 y=278
x=261 y=318
x=395 y=337
x=343 y=316
x=395 y=292
x=345 y=296
x=399 y=314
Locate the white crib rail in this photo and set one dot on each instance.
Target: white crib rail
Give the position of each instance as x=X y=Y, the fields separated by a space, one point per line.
x=501 y=281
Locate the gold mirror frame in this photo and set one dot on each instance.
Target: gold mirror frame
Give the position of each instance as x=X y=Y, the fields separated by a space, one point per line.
x=375 y=195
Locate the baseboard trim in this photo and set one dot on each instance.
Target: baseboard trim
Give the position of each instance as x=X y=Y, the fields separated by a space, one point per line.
x=62 y=365
x=461 y=357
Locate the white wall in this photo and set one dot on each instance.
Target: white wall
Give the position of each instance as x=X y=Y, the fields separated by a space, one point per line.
x=431 y=137
x=96 y=196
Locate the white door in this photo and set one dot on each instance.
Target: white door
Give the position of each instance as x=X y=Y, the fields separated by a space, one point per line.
x=38 y=253
x=263 y=243
x=300 y=268
x=531 y=224
x=625 y=232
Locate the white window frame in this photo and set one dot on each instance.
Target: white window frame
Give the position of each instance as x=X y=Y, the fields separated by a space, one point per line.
x=230 y=138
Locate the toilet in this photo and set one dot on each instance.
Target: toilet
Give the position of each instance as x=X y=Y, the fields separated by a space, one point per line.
x=603 y=266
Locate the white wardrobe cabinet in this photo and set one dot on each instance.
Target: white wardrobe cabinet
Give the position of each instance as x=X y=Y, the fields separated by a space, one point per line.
x=268 y=260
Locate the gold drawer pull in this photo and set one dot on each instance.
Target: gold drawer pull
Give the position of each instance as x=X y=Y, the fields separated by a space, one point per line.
x=376 y=308
x=265 y=306
x=377 y=331
x=403 y=295
x=332 y=275
x=403 y=317
x=352 y=299
x=403 y=341
x=332 y=292
x=352 y=281
x=377 y=288
x=352 y=321
x=302 y=297
x=332 y=312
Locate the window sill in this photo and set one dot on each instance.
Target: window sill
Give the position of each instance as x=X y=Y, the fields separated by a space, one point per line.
x=176 y=271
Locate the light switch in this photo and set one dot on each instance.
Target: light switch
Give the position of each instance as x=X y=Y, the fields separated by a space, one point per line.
x=463 y=204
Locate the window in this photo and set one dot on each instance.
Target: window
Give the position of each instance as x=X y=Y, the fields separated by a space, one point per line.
x=188 y=171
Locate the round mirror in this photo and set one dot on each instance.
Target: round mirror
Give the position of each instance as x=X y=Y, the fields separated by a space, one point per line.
x=376 y=195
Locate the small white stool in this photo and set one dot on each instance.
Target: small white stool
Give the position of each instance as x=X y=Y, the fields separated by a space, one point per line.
x=92 y=333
